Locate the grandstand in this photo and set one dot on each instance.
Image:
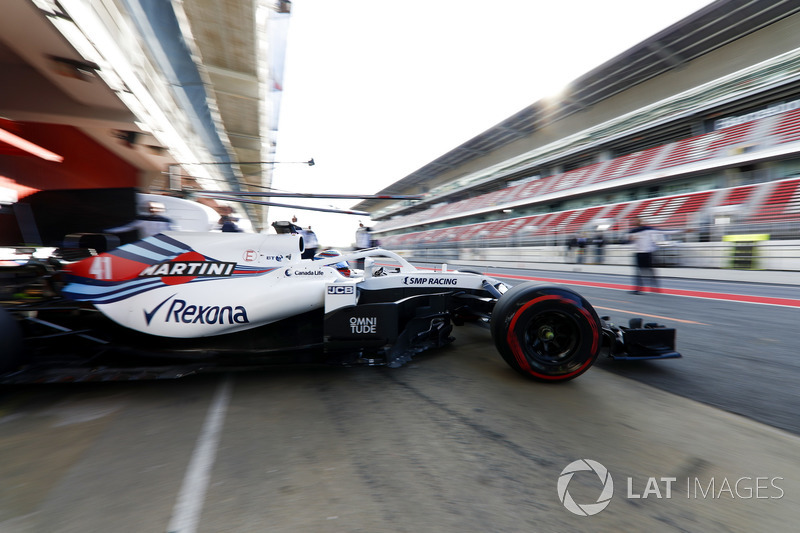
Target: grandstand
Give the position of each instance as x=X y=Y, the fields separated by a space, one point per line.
x=696 y=129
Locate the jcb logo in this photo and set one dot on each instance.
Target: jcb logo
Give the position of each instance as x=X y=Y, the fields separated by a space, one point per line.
x=339 y=289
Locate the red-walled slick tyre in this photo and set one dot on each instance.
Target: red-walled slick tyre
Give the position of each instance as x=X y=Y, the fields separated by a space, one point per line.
x=545 y=332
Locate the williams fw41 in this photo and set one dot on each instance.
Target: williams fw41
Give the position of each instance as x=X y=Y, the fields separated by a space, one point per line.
x=179 y=303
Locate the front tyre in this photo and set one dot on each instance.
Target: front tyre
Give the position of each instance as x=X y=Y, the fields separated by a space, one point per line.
x=545 y=332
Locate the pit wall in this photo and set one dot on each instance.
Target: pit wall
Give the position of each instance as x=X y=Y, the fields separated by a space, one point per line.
x=760 y=256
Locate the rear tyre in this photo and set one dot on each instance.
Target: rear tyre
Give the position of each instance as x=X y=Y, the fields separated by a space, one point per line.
x=11 y=342
x=547 y=333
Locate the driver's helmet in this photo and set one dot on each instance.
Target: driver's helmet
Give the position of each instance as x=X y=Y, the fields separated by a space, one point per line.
x=343 y=267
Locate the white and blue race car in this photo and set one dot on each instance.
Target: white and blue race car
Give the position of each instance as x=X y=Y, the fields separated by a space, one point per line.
x=185 y=302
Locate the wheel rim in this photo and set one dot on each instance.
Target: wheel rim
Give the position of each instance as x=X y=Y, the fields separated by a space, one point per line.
x=551 y=338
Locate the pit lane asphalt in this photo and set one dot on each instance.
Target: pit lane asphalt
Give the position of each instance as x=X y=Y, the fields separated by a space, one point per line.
x=736 y=330
x=454 y=441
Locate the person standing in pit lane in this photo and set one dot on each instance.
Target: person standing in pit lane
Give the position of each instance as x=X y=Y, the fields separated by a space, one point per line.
x=363 y=240
x=581 y=251
x=645 y=241
x=599 y=242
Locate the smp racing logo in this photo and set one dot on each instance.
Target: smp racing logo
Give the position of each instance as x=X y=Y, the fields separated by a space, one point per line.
x=182 y=312
x=429 y=280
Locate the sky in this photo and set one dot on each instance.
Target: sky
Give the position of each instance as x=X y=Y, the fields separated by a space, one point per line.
x=376 y=89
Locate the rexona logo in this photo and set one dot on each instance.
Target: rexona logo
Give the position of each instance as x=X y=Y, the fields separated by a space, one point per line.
x=586 y=509
x=432 y=280
x=183 y=312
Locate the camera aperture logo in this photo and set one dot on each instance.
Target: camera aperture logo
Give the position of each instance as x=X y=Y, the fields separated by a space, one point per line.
x=586 y=509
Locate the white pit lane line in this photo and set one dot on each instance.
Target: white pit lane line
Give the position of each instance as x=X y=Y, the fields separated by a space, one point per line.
x=186 y=513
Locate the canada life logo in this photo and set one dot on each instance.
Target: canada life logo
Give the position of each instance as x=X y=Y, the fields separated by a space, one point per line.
x=585 y=509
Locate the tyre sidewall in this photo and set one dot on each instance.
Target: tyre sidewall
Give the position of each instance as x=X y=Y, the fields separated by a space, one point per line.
x=515 y=311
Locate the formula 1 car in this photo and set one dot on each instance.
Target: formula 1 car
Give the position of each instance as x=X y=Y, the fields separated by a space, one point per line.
x=179 y=303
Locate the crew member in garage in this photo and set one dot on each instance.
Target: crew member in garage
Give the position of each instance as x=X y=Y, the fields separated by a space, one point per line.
x=227 y=220
x=153 y=222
